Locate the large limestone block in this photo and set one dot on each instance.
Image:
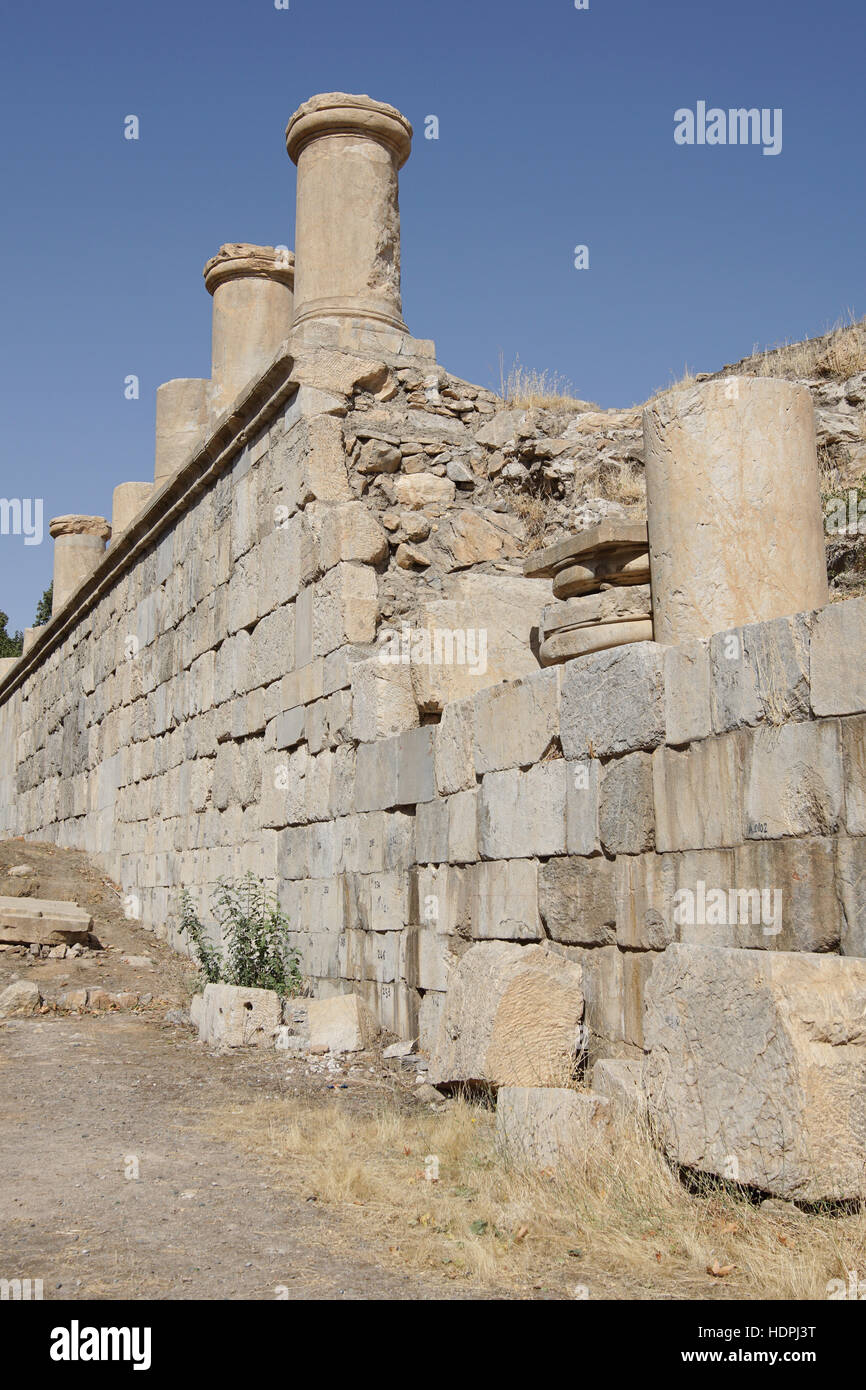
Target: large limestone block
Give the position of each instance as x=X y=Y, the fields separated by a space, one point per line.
x=576 y=900
x=549 y=1124
x=523 y=813
x=613 y=702
x=482 y=632
x=838 y=658
x=757 y=1068
x=505 y=901
x=233 y=1016
x=342 y=1024
x=760 y=673
x=383 y=701
x=512 y=1017
x=516 y=722
x=733 y=503
x=41 y=921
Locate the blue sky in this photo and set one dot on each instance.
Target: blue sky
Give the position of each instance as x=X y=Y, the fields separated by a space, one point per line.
x=556 y=130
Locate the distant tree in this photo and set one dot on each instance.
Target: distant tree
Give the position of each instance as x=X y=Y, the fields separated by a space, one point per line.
x=43 y=611
x=11 y=644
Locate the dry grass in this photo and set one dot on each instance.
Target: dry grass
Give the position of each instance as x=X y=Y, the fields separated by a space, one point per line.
x=838 y=355
x=618 y=1220
x=523 y=388
x=532 y=511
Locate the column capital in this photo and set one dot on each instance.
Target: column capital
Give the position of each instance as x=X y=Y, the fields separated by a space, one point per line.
x=80 y=526
x=339 y=113
x=238 y=259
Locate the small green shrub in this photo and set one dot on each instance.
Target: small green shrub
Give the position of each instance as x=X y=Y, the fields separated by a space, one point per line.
x=256 y=951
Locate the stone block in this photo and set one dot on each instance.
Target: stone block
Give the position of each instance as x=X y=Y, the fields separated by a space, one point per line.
x=345 y=607
x=43 y=922
x=376 y=776
x=837 y=668
x=512 y=1017
x=625 y=817
x=523 y=813
x=698 y=793
x=619 y=1080
x=415 y=773
x=760 y=673
x=232 y=1016
x=453 y=748
x=582 y=784
x=342 y=1024
x=687 y=692
x=515 y=723
x=21 y=999
x=383 y=702
x=854 y=772
x=462 y=827
x=576 y=900
x=550 y=1125
x=613 y=702
x=505 y=900
x=756 y=1068
x=851 y=887
x=431 y=832
x=794 y=781
x=644 y=886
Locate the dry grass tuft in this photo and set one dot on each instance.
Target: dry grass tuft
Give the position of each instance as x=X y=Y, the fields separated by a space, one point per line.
x=617 y=1219
x=523 y=388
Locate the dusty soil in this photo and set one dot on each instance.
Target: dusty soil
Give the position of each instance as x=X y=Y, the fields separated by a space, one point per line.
x=120 y=1174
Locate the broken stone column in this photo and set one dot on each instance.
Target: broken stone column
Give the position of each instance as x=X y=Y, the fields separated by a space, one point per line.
x=127 y=502
x=181 y=423
x=600 y=584
x=348 y=150
x=79 y=545
x=253 y=305
x=734 y=511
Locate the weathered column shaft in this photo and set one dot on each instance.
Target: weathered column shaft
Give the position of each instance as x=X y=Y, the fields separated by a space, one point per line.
x=253 y=306
x=79 y=545
x=348 y=150
x=181 y=423
x=735 y=525
x=127 y=502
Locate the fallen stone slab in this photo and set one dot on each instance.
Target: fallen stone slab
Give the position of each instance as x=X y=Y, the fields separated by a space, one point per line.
x=549 y=1124
x=341 y=1024
x=757 y=1067
x=234 y=1016
x=512 y=1017
x=20 y=999
x=44 y=922
x=610 y=534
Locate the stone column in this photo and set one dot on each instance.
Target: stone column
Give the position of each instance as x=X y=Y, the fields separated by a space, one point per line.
x=127 y=502
x=348 y=150
x=79 y=545
x=736 y=531
x=253 y=306
x=181 y=423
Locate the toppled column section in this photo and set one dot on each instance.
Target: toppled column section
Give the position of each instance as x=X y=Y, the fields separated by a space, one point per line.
x=79 y=545
x=348 y=150
x=181 y=423
x=733 y=501
x=600 y=578
x=127 y=502
x=253 y=305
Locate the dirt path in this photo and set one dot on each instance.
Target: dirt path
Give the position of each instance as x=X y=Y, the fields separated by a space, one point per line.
x=79 y=1100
